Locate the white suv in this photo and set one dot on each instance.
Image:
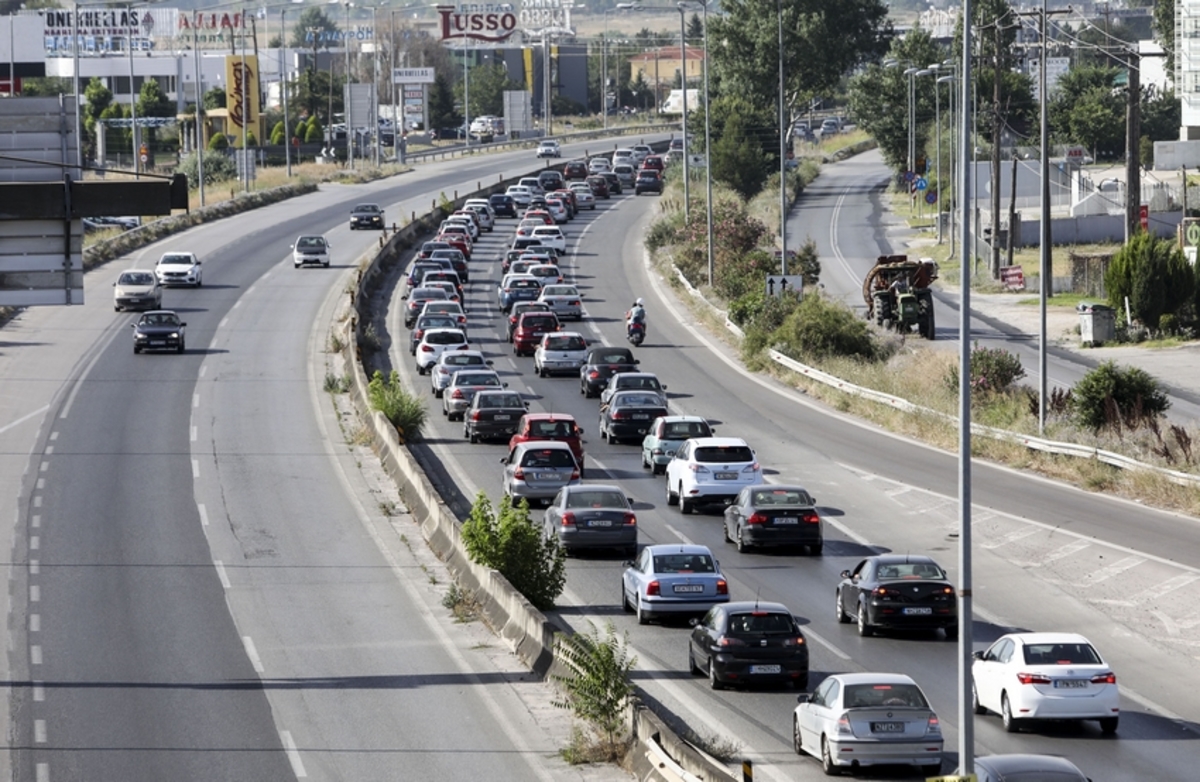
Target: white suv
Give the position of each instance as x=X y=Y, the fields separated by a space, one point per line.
x=710 y=470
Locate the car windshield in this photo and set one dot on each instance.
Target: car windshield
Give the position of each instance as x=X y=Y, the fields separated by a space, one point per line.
x=548 y=458
x=176 y=258
x=445 y=338
x=596 y=498
x=760 y=623
x=310 y=243
x=865 y=696
x=1061 y=654
x=682 y=430
x=136 y=278
x=724 y=453
x=160 y=319
x=564 y=343
x=367 y=208
x=684 y=563
x=780 y=497
x=910 y=570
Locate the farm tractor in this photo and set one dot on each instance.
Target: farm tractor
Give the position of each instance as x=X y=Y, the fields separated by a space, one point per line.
x=896 y=291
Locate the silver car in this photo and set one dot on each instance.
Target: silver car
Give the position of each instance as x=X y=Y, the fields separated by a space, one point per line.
x=535 y=470
x=868 y=719
x=591 y=515
x=563 y=300
x=457 y=396
x=138 y=288
x=310 y=249
x=560 y=351
x=449 y=364
x=673 y=579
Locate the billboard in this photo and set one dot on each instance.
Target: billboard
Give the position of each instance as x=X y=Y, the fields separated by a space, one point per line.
x=241 y=97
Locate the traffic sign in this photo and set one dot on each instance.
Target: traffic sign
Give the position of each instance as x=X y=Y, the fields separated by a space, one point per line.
x=931 y=196
x=909 y=176
x=1144 y=216
x=922 y=183
x=1191 y=233
x=779 y=284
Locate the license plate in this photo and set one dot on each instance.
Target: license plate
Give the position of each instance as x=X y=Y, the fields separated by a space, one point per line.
x=689 y=588
x=600 y=523
x=640 y=416
x=887 y=727
x=726 y=476
x=786 y=520
x=547 y=476
x=503 y=417
x=1070 y=684
x=766 y=669
x=918 y=611
x=158 y=342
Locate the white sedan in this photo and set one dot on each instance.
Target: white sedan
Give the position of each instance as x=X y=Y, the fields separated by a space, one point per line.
x=868 y=719
x=584 y=197
x=178 y=269
x=1045 y=676
x=560 y=351
x=520 y=195
x=549 y=148
x=564 y=301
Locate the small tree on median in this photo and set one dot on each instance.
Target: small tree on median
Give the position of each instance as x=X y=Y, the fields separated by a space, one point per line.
x=597 y=686
x=510 y=543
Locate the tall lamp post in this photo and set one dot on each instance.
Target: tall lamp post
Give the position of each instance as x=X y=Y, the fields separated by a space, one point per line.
x=708 y=196
x=349 y=112
x=782 y=149
x=937 y=104
x=199 y=105
x=683 y=81
x=283 y=88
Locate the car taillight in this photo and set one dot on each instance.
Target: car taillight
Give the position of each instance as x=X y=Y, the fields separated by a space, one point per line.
x=756 y=518
x=575 y=474
x=653 y=588
x=630 y=518
x=426 y=349
x=752 y=468
x=843 y=725
x=420 y=333
x=1032 y=678
x=458 y=394
x=698 y=469
x=1105 y=678
x=518 y=474
x=934 y=726
x=885 y=593
x=727 y=641
x=593 y=374
x=722 y=586
x=657 y=451
x=797 y=641
x=810 y=517
x=573 y=304
x=463 y=346
x=568 y=519
x=617 y=415
x=475 y=416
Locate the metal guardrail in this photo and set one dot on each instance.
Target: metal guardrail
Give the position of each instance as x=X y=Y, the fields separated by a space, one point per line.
x=441 y=153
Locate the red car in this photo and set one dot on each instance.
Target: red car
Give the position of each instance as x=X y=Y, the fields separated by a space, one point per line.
x=550 y=426
x=540 y=214
x=522 y=307
x=456 y=240
x=531 y=327
x=576 y=169
x=654 y=162
x=599 y=186
x=568 y=195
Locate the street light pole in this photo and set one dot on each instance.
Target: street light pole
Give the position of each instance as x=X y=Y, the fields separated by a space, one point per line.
x=708 y=196
x=199 y=106
x=137 y=167
x=783 y=210
x=683 y=82
x=349 y=102
x=604 y=72
x=283 y=87
x=375 y=83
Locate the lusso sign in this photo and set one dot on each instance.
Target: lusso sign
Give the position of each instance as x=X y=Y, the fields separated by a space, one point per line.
x=479 y=22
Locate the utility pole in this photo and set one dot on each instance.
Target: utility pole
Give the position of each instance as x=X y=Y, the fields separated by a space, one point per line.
x=997 y=126
x=1133 y=163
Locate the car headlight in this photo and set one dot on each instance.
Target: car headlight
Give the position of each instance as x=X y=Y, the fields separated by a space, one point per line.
x=174 y=335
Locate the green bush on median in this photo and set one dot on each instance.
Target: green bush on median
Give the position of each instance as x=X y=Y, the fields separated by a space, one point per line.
x=406 y=411
x=512 y=544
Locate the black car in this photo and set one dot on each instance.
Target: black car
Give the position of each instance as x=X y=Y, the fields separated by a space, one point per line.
x=648 y=181
x=897 y=591
x=428 y=248
x=458 y=262
x=366 y=216
x=493 y=414
x=614 y=182
x=550 y=180
x=749 y=642
x=774 y=515
x=503 y=205
x=628 y=415
x=591 y=515
x=415 y=300
x=602 y=363
x=158 y=330
x=525 y=242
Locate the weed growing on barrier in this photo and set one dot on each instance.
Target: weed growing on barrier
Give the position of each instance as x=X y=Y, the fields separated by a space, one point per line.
x=596 y=686
x=406 y=411
x=719 y=747
x=336 y=345
x=509 y=542
x=335 y=384
x=461 y=603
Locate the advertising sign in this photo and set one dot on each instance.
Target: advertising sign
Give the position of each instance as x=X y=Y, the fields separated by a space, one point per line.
x=542 y=16
x=478 y=22
x=412 y=76
x=241 y=96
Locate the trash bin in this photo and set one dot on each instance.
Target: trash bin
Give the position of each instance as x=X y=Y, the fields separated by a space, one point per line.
x=1097 y=323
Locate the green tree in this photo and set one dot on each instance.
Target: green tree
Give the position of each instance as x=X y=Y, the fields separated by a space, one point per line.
x=313 y=132
x=1110 y=396
x=1153 y=274
x=737 y=157
x=1085 y=110
x=99 y=99
x=313 y=92
x=512 y=544
x=822 y=41
x=1164 y=31
x=442 y=111
x=312 y=19
x=47 y=86
x=488 y=83
x=214 y=98
x=695 y=31
x=596 y=685
x=1161 y=115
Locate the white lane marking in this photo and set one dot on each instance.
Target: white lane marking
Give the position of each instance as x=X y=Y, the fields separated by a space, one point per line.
x=195 y=468
x=1012 y=537
x=1108 y=571
x=293 y=754
x=1159 y=590
x=194 y=434
x=812 y=635
x=221 y=574
x=35 y=623
x=49 y=449
x=43 y=772
x=53 y=436
x=1063 y=552
x=35 y=593
x=224 y=321
x=204 y=367
x=203 y=514
x=26 y=417
x=39 y=690
x=252 y=653
x=35 y=655
x=237 y=304
x=679 y=534
x=37 y=501
x=34 y=543
x=39 y=731
x=44 y=466
x=35 y=567
x=41 y=483
x=195 y=400
x=36 y=520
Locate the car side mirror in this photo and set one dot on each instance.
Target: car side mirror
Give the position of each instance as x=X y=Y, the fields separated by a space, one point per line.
x=977 y=655
x=488 y=362
x=504 y=460
x=664 y=387
x=845 y=574
x=114 y=285
x=133 y=325
x=505 y=385
x=181 y=325
x=630 y=500
x=293 y=247
x=199 y=263
x=636 y=361
x=804 y=697
x=693 y=621
x=628 y=563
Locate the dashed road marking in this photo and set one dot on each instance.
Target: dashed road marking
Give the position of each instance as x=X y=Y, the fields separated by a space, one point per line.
x=43 y=772
x=195 y=433
x=35 y=623
x=35 y=567
x=37 y=501
x=221 y=574
x=35 y=593
x=34 y=543
x=53 y=436
x=41 y=483
x=35 y=655
x=44 y=466
x=39 y=690
x=195 y=468
x=252 y=653
x=203 y=514
x=293 y=754
x=39 y=731
x=1108 y=571
x=35 y=521
x=195 y=400
x=49 y=449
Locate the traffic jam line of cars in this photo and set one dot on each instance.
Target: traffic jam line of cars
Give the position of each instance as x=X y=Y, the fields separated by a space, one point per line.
x=850 y=720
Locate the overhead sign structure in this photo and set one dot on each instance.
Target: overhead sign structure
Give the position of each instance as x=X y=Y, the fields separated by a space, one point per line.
x=413 y=76
x=779 y=284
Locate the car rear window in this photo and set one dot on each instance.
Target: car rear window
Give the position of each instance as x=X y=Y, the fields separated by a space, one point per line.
x=1061 y=654
x=445 y=338
x=911 y=570
x=476 y=379
x=684 y=563
x=461 y=360
x=539 y=321
x=685 y=429
x=428 y=294
x=724 y=453
x=499 y=400
x=565 y=343
x=614 y=357
x=524 y=284
x=596 y=499
x=551 y=429
x=760 y=623
x=859 y=696
x=781 y=497
x=553 y=458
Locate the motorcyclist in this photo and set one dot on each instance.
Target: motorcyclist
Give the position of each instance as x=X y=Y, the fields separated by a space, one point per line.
x=636 y=314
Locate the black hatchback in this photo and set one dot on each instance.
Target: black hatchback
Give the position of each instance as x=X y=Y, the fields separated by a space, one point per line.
x=602 y=363
x=749 y=642
x=503 y=205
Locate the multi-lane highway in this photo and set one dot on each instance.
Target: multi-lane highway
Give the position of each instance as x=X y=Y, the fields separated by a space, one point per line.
x=1047 y=556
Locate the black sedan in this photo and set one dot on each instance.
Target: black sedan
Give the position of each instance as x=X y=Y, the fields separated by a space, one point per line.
x=590 y=515
x=628 y=415
x=158 y=330
x=503 y=205
x=770 y=515
x=749 y=642
x=897 y=591
x=493 y=414
x=602 y=363
x=648 y=181
x=366 y=216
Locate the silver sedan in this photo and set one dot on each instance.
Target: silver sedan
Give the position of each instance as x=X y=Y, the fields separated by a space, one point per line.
x=563 y=300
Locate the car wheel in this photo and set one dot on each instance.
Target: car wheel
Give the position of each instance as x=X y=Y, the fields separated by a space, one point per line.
x=541 y=371
x=625 y=600
x=692 y=667
x=864 y=627
x=725 y=532
x=816 y=549
x=713 y=680
x=1108 y=725
x=643 y=616
x=116 y=308
x=296 y=266
x=742 y=546
x=326 y=264
x=950 y=633
x=827 y=760
x=420 y=369
x=672 y=498
x=657 y=469
x=797 y=742
x=686 y=506
x=471 y=436
x=975 y=704
x=1010 y=723
x=645 y=462
x=136 y=350
x=840 y=612
x=181 y=347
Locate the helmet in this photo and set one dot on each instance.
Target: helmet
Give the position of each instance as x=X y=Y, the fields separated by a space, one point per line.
x=639 y=302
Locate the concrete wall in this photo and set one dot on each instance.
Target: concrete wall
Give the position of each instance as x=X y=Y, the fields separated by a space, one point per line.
x=1094 y=229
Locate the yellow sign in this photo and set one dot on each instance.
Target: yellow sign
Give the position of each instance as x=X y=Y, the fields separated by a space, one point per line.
x=241 y=97
x=953 y=778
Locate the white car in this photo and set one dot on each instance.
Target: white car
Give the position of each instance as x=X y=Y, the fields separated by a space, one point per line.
x=560 y=351
x=868 y=719
x=483 y=210
x=584 y=197
x=546 y=273
x=641 y=152
x=534 y=184
x=549 y=148
x=520 y=195
x=551 y=236
x=1045 y=676
x=557 y=210
x=434 y=343
x=466 y=222
x=310 y=249
x=137 y=289
x=563 y=300
x=178 y=269
x=598 y=165
x=710 y=469
x=622 y=154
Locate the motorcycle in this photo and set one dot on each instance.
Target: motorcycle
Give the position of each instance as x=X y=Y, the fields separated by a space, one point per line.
x=635 y=333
